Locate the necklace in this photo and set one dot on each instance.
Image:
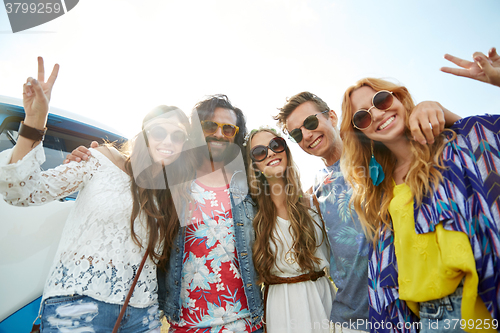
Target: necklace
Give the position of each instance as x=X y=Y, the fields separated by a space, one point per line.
x=290 y=255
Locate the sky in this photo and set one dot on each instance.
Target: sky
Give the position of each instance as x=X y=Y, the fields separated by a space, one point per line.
x=121 y=58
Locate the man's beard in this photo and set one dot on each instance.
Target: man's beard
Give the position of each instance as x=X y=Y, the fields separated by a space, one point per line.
x=226 y=155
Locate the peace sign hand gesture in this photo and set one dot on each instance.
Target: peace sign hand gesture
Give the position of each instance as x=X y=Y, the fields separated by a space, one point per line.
x=484 y=68
x=36 y=96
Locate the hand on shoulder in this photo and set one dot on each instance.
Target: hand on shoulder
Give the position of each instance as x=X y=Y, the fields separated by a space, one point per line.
x=113 y=154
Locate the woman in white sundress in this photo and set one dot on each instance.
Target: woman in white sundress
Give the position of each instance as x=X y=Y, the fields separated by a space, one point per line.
x=291 y=252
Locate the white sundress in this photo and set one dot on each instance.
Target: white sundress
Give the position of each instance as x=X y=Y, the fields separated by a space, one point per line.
x=299 y=307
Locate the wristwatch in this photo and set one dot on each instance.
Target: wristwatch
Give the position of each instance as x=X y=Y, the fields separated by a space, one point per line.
x=31 y=133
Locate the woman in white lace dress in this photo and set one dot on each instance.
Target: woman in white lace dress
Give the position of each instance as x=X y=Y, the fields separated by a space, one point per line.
x=116 y=218
x=291 y=253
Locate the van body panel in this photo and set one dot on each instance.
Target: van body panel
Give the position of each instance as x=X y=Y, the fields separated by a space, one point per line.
x=29 y=236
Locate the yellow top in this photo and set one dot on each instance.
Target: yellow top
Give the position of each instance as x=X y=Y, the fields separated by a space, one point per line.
x=427 y=273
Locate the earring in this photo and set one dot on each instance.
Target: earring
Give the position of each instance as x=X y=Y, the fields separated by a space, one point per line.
x=376 y=172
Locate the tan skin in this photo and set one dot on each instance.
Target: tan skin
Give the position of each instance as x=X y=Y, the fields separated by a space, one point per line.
x=392 y=136
x=36 y=98
x=274 y=173
x=205 y=173
x=324 y=141
x=483 y=68
x=329 y=147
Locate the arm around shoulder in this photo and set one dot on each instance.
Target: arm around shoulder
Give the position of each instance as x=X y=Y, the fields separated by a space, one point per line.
x=24 y=184
x=114 y=155
x=449 y=117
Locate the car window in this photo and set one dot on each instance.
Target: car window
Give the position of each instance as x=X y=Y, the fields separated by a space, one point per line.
x=55 y=146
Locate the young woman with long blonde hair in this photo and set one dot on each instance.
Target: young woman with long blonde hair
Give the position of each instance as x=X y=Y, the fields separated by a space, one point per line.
x=291 y=252
x=431 y=212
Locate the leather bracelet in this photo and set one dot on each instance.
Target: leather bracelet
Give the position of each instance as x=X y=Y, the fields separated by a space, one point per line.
x=31 y=133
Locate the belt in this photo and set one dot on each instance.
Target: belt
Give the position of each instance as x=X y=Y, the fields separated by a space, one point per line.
x=273 y=279
x=313 y=276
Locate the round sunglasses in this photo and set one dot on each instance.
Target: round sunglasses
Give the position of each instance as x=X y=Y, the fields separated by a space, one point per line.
x=259 y=153
x=210 y=127
x=382 y=100
x=159 y=133
x=310 y=123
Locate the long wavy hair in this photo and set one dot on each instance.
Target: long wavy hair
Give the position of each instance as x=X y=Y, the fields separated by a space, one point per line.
x=372 y=202
x=152 y=195
x=301 y=223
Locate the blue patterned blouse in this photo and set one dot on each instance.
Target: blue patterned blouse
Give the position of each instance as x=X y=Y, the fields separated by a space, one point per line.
x=468 y=200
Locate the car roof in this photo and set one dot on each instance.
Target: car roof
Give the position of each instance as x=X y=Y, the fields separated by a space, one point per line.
x=62 y=120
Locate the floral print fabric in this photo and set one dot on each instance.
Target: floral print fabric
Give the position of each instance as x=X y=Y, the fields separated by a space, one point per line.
x=212 y=294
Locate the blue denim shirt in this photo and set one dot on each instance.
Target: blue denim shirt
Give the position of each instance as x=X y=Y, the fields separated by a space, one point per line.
x=243 y=211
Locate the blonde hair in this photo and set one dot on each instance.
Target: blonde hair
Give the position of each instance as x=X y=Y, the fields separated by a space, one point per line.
x=372 y=202
x=301 y=223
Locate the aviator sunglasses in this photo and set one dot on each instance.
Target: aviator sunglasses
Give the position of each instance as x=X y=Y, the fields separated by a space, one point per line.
x=210 y=127
x=382 y=100
x=159 y=133
x=310 y=123
x=259 y=153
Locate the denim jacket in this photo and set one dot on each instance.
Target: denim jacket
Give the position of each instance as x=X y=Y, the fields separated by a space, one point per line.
x=243 y=211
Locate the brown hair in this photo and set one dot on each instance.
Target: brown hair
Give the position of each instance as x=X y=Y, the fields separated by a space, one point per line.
x=293 y=102
x=301 y=222
x=152 y=194
x=372 y=202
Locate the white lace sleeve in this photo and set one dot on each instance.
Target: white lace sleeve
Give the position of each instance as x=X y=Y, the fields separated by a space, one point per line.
x=24 y=184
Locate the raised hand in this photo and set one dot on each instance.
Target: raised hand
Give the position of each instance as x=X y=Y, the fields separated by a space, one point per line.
x=484 y=68
x=36 y=96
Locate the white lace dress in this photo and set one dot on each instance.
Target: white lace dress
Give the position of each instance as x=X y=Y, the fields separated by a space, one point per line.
x=96 y=256
x=299 y=307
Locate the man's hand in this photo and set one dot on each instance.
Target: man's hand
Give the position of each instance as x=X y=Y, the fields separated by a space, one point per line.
x=80 y=153
x=484 y=68
x=428 y=119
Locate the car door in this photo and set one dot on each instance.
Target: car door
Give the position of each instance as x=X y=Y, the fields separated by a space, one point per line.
x=29 y=236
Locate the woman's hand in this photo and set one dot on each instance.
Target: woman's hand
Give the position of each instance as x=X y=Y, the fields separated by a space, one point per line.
x=484 y=69
x=36 y=96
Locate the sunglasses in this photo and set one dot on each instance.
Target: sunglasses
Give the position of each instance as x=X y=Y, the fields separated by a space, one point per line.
x=382 y=100
x=310 y=123
x=159 y=133
x=259 y=153
x=210 y=127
